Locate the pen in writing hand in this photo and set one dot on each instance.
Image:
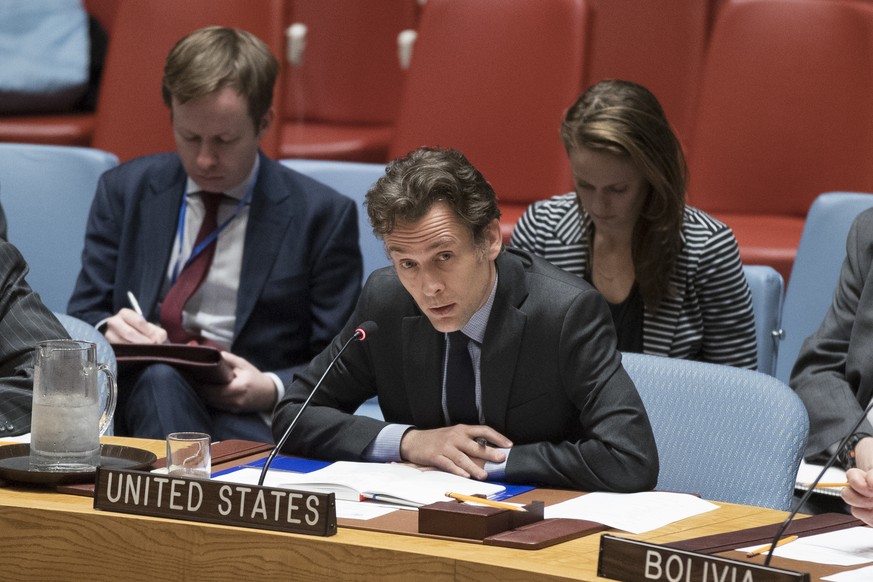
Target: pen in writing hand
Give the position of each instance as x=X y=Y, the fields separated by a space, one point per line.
x=766 y=547
x=829 y=485
x=134 y=303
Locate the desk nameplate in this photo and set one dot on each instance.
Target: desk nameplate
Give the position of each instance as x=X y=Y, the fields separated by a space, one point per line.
x=192 y=499
x=632 y=560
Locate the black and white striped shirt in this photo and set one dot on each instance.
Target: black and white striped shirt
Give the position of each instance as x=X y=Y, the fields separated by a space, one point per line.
x=710 y=316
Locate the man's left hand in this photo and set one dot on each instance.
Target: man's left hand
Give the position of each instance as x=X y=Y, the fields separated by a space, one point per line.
x=250 y=390
x=859 y=494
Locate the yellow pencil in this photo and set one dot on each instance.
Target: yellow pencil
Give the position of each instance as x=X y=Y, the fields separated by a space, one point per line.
x=483 y=501
x=830 y=485
x=766 y=547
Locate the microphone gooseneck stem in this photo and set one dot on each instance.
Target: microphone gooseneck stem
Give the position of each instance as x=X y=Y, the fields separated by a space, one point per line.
x=359 y=334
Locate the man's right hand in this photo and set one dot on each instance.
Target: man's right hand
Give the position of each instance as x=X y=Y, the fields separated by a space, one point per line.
x=129 y=327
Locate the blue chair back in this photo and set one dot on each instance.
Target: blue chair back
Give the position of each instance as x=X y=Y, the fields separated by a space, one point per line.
x=816 y=270
x=80 y=330
x=351 y=179
x=725 y=433
x=46 y=192
x=767 y=288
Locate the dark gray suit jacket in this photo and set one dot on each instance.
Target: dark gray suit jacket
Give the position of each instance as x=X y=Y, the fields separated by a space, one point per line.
x=301 y=266
x=24 y=321
x=552 y=381
x=833 y=374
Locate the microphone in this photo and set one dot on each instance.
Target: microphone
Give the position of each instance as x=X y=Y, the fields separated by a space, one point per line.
x=365 y=330
x=815 y=482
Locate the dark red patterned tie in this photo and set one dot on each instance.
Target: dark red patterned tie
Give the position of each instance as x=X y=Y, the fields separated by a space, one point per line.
x=193 y=274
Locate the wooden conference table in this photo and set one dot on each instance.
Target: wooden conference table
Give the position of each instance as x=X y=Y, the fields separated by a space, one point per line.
x=46 y=535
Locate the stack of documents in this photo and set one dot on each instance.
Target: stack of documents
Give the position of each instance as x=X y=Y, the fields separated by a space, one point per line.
x=387 y=482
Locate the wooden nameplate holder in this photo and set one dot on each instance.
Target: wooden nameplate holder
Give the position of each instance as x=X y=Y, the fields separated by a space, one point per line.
x=222 y=452
x=524 y=530
x=205 y=500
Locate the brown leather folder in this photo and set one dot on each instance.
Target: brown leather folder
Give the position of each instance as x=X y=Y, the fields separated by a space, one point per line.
x=201 y=363
x=761 y=535
x=541 y=534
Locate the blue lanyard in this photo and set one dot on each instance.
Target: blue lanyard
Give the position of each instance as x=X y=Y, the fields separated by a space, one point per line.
x=180 y=229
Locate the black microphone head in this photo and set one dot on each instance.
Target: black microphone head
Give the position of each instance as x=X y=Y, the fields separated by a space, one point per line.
x=366 y=329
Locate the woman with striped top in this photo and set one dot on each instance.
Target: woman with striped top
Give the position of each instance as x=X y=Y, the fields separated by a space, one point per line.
x=670 y=272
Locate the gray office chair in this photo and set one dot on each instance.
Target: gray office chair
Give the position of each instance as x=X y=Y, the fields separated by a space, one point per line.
x=816 y=270
x=724 y=433
x=767 y=288
x=46 y=192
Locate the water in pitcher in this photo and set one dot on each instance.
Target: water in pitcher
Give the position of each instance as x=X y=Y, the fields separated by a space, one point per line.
x=58 y=443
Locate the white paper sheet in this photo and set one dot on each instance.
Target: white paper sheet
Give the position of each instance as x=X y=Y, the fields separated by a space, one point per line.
x=393 y=483
x=363 y=510
x=845 y=547
x=344 y=509
x=859 y=575
x=632 y=512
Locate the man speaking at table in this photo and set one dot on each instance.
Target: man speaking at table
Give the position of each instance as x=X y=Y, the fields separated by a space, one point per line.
x=531 y=390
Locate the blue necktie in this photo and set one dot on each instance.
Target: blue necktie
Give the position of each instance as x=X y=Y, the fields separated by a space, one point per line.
x=460 y=382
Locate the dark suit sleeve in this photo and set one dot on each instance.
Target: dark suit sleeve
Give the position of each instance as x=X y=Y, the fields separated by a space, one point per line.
x=822 y=376
x=329 y=428
x=336 y=277
x=24 y=321
x=92 y=298
x=612 y=447
x=333 y=268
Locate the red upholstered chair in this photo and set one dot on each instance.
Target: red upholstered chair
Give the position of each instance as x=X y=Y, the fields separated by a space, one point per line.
x=73 y=129
x=492 y=79
x=132 y=119
x=657 y=43
x=104 y=11
x=784 y=114
x=341 y=99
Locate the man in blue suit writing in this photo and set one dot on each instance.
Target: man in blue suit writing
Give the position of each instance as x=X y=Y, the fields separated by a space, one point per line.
x=221 y=246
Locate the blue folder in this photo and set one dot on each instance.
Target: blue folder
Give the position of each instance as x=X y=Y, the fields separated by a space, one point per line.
x=298 y=465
